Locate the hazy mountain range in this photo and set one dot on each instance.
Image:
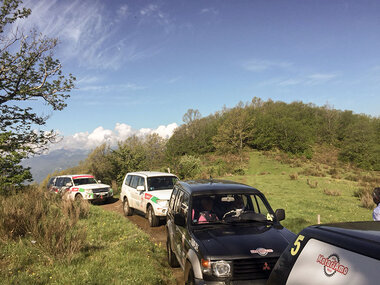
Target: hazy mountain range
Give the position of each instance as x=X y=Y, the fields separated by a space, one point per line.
x=56 y=160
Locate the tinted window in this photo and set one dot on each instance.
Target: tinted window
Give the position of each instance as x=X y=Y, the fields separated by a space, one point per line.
x=83 y=181
x=172 y=198
x=51 y=180
x=134 y=181
x=59 y=182
x=161 y=182
x=177 y=205
x=128 y=180
x=66 y=180
x=140 y=181
x=184 y=205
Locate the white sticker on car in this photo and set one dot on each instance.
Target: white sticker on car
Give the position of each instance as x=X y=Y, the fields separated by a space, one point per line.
x=322 y=263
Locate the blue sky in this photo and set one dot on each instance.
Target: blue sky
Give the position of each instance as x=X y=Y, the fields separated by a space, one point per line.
x=141 y=64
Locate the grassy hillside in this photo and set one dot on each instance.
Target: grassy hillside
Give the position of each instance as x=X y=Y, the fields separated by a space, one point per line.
x=116 y=252
x=303 y=196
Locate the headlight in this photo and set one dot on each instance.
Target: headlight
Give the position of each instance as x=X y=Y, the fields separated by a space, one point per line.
x=221 y=268
x=162 y=203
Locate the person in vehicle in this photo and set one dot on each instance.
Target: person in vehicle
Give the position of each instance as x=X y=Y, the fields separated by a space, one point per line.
x=376 y=200
x=207 y=214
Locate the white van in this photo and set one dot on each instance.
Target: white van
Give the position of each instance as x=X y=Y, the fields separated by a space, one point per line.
x=148 y=192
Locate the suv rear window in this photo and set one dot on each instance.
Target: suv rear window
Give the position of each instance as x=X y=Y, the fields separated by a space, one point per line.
x=161 y=182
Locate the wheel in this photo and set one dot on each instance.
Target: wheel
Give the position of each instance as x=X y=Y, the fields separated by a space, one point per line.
x=78 y=197
x=190 y=280
x=153 y=220
x=128 y=211
x=172 y=259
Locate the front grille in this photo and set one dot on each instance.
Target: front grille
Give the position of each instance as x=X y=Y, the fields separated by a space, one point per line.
x=99 y=190
x=254 y=268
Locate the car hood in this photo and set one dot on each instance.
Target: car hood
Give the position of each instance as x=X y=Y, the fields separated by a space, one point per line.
x=237 y=241
x=160 y=194
x=93 y=186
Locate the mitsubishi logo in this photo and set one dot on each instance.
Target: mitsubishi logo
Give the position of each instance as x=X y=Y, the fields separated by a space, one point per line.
x=266 y=266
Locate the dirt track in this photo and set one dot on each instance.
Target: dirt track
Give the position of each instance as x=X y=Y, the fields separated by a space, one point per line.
x=157 y=234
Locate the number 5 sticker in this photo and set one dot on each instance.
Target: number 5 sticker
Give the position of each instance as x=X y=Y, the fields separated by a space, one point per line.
x=294 y=250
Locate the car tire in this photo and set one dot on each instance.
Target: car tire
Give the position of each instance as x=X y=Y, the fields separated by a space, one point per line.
x=128 y=211
x=190 y=279
x=172 y=259
x=154 y=221
x=78 y=197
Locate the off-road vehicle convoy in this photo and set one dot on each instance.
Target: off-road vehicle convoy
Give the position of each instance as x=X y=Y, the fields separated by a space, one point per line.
x=80 y=186
x=148 y=192
x=344 y=253
x=222 y=232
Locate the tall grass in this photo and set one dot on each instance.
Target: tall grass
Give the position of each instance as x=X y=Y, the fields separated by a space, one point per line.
x=46 y=220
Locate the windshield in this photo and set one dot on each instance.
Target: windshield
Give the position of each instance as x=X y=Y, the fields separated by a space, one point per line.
x=229 y=208
x=82 y=181
x=161 y=182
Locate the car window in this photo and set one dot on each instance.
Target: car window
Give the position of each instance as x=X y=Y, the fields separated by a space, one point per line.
x=134 y=181
x=259 y=205
x=84 y=181
x=184 y=205
x=66 y=180
x=161 y=182
x=235 y=207
x=140 y=181
x=128 y=180
x=173 y=196
x=177 y=205
x=51 y=181
x=59 y=182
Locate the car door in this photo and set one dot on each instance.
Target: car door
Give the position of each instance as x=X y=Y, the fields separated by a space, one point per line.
x=141 y=194
x=125 y=188
x=180 y=233
x=133 y=192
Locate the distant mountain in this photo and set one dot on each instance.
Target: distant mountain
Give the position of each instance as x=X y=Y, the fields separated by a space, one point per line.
x=56 y=160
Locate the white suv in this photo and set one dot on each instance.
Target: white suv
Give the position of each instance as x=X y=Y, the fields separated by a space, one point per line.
x=148 y=192
x=80 y=186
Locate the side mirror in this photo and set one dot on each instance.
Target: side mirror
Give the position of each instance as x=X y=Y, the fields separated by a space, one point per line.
x=179 y=220
x=140 y=188
x=99 y=181
x=280 y=214
x=69 y=184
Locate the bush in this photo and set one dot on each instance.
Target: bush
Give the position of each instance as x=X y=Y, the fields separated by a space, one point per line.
x=293 y=176
x=45 y=219
x=365 y=196
x=332 y=192
x=188 y=166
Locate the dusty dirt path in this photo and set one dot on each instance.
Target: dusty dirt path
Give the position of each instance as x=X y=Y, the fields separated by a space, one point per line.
x=157 y=235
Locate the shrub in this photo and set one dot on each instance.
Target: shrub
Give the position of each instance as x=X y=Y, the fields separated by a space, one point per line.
x=312 y=184
x=45 y=219
x=332 y=192
x=293 y=176
x=365 y=196
x=188 y=166
x=239 y=171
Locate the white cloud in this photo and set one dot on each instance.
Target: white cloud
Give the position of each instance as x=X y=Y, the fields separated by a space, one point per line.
x=120 y=87
x=209 y=11
x=88 y=141
x=318 y=78
x=258 y=65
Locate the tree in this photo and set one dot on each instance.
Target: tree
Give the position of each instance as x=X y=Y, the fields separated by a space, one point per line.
x=233 y=132
x=191 y=115
x=28 y=72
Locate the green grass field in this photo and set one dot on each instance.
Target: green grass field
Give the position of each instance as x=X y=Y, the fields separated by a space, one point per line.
x=116 y=252
x=301 y=202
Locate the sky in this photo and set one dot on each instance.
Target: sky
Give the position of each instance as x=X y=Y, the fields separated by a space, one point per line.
x=140 y=65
